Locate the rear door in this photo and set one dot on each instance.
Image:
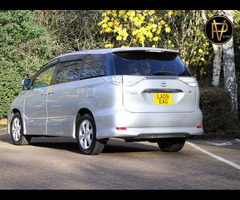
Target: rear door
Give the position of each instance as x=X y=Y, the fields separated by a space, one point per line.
x=155 y=82
x=63 y=95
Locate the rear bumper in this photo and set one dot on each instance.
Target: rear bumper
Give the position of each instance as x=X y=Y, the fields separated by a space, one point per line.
x=148 y=125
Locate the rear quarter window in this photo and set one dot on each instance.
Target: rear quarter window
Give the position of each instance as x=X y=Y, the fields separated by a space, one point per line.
x=94 y=66
x=149 y=64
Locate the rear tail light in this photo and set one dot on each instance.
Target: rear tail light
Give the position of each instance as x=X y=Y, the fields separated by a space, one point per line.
x=190 y=81
x=198 y=126
x=132 y=80
x=115 y=80
x=127 y=81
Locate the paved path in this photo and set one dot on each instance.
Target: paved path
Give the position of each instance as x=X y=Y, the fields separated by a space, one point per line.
x=55 y=163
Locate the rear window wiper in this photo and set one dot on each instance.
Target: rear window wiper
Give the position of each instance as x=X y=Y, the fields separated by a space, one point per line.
x=163 y=73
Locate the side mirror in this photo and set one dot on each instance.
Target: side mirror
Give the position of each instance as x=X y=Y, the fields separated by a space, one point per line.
x=26 y=83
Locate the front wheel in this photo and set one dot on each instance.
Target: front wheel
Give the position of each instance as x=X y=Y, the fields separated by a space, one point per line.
x=171 y=144
x=16 y=130
x=86 y=136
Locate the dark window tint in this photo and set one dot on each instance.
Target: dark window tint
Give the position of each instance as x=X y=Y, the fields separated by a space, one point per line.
x=94 y=66
x=44 y=78
x=68 y=71
x=149 y=64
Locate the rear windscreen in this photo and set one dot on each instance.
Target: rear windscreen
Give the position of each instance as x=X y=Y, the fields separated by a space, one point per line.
x=149 y=64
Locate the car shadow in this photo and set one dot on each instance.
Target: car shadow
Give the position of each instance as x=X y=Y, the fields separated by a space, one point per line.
x=110 y=147
x=120 y=146
x=69 y=144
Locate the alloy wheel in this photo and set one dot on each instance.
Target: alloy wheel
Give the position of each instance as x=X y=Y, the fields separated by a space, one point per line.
x=86 y=134
x=16 y=129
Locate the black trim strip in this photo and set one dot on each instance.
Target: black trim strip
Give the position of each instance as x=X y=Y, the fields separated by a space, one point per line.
x=162 y=90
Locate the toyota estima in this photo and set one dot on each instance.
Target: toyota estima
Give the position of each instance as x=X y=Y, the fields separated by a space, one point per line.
x=137 y=94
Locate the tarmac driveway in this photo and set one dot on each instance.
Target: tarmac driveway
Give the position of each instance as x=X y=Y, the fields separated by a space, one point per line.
x=55 y=163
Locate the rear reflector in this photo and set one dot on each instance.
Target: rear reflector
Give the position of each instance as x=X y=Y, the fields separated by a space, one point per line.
x=198 y=126
x=121 y=128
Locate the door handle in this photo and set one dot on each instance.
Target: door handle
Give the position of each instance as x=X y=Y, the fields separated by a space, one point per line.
x=51 y=92
x=44 y=93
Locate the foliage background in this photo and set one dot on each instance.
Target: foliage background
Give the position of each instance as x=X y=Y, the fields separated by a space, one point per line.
x=31 y=38
x=24 y=47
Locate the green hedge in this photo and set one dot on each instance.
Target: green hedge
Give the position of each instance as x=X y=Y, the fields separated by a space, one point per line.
x=24 y=48
x=215 y=104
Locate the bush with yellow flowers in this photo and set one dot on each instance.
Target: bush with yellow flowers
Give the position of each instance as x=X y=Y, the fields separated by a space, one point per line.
x=172 y=29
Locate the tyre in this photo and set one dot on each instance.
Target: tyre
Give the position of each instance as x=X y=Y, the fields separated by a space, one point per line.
x=171 y=144
x=16 y=130
x=86 y=136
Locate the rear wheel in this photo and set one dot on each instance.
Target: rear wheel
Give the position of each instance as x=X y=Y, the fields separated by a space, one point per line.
x=171 y=144
x=16 y=130
x=86 y=136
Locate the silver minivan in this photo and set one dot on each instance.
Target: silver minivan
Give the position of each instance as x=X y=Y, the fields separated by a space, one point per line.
x=137 y=94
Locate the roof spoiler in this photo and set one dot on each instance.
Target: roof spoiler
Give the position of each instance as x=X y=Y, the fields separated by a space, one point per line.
x=146 y=49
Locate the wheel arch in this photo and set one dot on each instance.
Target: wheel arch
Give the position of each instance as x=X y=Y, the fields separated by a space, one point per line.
x=80 y=113
x=10 y=116
x=15 y=110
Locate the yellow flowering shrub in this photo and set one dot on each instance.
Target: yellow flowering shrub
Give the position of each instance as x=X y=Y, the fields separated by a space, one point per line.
x=170 y=29
x=132 y=27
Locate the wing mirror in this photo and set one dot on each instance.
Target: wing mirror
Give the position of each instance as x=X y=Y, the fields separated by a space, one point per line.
x=26 y=83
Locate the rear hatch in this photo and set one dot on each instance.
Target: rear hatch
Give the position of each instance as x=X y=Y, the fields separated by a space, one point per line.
x=155 y=82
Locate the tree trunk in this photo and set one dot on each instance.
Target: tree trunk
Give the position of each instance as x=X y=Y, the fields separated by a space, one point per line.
x=230 y=75
x=217 y=50
x=229 y=70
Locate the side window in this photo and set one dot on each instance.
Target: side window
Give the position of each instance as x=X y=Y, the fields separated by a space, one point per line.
x=94 y=66
x=44 y=78
x=68 y=71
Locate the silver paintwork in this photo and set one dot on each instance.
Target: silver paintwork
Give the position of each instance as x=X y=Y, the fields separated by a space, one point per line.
x=114 y=101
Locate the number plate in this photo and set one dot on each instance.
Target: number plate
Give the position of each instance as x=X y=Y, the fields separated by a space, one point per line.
x=162 y=98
